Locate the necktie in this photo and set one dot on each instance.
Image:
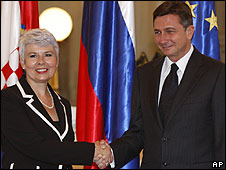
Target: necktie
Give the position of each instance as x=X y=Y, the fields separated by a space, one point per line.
x=168 y=92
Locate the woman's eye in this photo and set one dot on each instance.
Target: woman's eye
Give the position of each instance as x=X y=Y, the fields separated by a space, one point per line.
x=32 y=56
x=48 y=55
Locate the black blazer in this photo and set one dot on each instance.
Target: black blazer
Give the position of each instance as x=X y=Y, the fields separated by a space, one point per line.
x=29 y=138
x=194 y=134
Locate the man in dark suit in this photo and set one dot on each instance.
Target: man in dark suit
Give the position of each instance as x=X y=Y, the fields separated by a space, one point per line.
x=192 y=132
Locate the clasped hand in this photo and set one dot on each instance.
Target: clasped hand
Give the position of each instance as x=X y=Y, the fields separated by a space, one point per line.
x=102 y=156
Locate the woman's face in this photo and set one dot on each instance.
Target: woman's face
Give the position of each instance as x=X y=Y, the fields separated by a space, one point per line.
x=40 y=63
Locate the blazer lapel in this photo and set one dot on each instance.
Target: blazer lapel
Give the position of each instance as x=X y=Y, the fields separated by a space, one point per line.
x=154 y=92
x=39 y=110
x=61 y=110
x=192 y=74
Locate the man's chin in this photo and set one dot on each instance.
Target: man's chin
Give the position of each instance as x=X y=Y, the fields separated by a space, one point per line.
x=166 y=51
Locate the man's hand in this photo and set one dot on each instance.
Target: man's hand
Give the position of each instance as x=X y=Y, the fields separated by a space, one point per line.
x=102 y=156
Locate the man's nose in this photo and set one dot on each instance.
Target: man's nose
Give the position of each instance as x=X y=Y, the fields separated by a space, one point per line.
x=163 y=38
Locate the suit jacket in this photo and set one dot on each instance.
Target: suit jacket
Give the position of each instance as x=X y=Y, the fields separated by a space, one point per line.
x=29 y=137
x=194 y=133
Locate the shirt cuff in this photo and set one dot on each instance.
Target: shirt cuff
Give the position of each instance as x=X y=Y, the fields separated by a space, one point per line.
x=113 y=162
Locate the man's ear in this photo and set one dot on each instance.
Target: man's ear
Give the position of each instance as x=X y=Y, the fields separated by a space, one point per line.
x=190 y=31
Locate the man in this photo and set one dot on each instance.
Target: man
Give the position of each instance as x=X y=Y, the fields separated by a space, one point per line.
x=190 y=132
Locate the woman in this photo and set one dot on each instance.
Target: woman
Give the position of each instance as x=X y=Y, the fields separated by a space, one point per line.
x=36 y=125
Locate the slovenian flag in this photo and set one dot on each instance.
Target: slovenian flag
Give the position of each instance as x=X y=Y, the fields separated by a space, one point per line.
x=205 y=36
x=106 y=70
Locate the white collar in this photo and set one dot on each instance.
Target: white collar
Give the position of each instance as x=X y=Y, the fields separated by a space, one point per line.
x=182 y=63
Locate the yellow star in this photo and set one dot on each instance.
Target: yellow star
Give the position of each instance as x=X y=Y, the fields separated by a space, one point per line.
x=212 y=20
x=192 y=7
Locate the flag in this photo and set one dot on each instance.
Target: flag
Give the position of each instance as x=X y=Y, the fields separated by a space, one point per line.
x=29 y=14
x=205 y=37
x=106 y=70
x=15 y=17
x=10 y=33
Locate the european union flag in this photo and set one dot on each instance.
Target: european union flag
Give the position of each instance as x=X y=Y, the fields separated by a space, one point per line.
x=205 y=37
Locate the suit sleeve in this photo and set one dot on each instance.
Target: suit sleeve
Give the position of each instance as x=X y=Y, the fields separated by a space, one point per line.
x=130 y=144
x=19 y=133
x=218 y=108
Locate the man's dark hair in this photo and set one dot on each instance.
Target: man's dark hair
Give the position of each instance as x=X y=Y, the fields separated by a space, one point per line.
x=177 y=8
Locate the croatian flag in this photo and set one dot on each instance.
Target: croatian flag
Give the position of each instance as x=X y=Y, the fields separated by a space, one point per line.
x=106 y=70
x=10 y=33
x=16 y=16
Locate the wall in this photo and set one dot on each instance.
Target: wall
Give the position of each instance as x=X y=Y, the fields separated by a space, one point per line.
x=69 y=48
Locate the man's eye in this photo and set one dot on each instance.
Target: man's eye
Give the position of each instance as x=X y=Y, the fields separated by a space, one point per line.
x=157 y=32
x=170 y=32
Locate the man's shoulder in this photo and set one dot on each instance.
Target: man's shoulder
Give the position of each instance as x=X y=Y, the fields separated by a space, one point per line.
x=152 y=64
x=207 y=59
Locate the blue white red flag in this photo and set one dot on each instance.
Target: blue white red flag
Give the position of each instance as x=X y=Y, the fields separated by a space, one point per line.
x=106 y=70
x=205 y=37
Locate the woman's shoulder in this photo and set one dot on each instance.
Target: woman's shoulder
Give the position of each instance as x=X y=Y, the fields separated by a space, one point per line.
x=10 y=91
x=11 y=96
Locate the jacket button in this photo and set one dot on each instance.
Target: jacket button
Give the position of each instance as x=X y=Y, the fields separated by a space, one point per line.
x=164 y=138
x=164 y=164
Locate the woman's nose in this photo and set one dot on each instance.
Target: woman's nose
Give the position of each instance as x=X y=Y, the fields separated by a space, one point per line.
x=41 y=60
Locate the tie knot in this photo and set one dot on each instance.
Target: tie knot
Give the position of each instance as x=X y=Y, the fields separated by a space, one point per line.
x=174 y=67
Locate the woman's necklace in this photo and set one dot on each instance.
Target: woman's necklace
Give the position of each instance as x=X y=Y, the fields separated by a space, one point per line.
x=49 y=107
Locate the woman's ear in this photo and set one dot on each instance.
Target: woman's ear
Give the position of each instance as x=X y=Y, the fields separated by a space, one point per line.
x=22 y=63
x=58 y=60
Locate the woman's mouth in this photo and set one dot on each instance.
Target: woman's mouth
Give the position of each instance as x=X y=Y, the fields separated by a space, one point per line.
x=41 y=70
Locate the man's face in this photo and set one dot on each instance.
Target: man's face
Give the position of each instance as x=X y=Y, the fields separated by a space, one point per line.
x=171 y=37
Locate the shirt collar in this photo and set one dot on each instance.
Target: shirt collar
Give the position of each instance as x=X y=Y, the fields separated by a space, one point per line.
x=180 y=63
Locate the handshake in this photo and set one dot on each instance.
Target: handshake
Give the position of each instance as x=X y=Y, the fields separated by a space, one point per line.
x=103 y=155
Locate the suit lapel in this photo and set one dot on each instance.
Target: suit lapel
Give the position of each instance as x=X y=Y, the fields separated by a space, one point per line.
x=61 y=110
x=37 y=108
x=154 y=92
x=192 y=74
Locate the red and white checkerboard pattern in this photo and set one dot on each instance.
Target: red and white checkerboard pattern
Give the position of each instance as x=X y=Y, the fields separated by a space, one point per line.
x=10 y=33
x=11 y=70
